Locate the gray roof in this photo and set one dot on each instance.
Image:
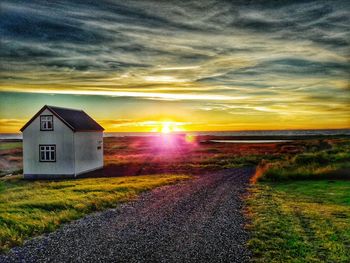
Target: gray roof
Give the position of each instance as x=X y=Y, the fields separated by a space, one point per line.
x=76 y=120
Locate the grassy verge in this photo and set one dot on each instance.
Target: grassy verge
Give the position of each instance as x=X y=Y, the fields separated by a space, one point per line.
x=30 y=208
x=301 y=221
x=333 y=163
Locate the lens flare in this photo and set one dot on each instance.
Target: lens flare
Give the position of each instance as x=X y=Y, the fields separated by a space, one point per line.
x=189 y=138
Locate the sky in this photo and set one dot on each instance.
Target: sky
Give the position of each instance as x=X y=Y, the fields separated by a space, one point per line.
x=195 y=65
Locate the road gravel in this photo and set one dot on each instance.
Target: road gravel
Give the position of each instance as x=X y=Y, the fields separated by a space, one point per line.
x=199 y=220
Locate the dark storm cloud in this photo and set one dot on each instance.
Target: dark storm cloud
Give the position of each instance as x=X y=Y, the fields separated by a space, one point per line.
x=31 y=22
x=131 y=29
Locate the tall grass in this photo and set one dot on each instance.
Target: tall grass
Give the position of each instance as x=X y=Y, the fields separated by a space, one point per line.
x=333 y=163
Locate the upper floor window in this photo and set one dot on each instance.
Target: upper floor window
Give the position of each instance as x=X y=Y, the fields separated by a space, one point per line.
x=46 y=123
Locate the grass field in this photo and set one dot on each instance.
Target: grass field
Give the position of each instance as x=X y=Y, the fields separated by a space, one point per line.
x=10 y=157
x=300 y=221
x=300 y=207
x=29 y=208
x=293 y=218
x=10 y=145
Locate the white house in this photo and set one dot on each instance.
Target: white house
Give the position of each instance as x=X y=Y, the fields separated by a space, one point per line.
x=60 y=142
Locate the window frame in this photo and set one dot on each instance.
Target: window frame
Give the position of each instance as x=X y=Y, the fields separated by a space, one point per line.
x=99 y=145
x=41 y=121
x=54 y=151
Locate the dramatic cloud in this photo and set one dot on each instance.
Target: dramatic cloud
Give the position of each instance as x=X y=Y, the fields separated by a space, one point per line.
x=277 y=64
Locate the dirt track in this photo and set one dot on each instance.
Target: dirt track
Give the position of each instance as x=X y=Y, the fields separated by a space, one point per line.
x=196 y=221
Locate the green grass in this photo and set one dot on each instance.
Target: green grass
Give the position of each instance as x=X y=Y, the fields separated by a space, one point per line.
x=301 y=221
x=30 y=208
x=297 y=211
x=10 y=145
x=333 y=163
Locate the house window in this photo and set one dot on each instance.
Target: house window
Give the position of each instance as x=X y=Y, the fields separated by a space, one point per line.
x=46 y=123
x=47 y=153
x=99 y=145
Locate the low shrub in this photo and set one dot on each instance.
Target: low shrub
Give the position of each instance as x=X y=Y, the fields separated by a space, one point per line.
x=324 y=164
x=310 y=158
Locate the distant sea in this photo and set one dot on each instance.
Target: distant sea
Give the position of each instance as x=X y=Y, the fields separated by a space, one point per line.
x=217 y=133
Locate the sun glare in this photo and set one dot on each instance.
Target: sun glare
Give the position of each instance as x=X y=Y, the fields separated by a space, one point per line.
x=166 y=127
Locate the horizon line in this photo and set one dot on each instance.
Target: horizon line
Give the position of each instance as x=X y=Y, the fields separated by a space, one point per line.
x=179 y=132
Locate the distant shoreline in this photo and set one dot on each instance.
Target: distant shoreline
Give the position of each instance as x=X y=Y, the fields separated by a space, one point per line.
x=236 y=134
x=258 y=134
x=266 y=135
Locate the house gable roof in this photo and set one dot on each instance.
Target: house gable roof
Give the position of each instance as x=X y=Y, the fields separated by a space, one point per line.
x=76 y=120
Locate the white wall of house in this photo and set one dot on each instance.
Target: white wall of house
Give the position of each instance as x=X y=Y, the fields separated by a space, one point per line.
x=61 y=136
x=88 y=151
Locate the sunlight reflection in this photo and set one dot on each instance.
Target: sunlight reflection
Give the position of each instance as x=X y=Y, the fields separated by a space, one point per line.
x=174 y=140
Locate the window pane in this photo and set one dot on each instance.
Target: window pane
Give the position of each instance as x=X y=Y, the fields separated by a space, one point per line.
x=47 y=153
x=46 y=122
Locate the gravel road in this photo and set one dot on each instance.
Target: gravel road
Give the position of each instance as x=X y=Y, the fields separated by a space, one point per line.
x=195 y=221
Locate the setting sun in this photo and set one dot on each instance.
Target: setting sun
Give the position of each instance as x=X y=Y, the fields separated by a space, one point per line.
x=168 y=127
